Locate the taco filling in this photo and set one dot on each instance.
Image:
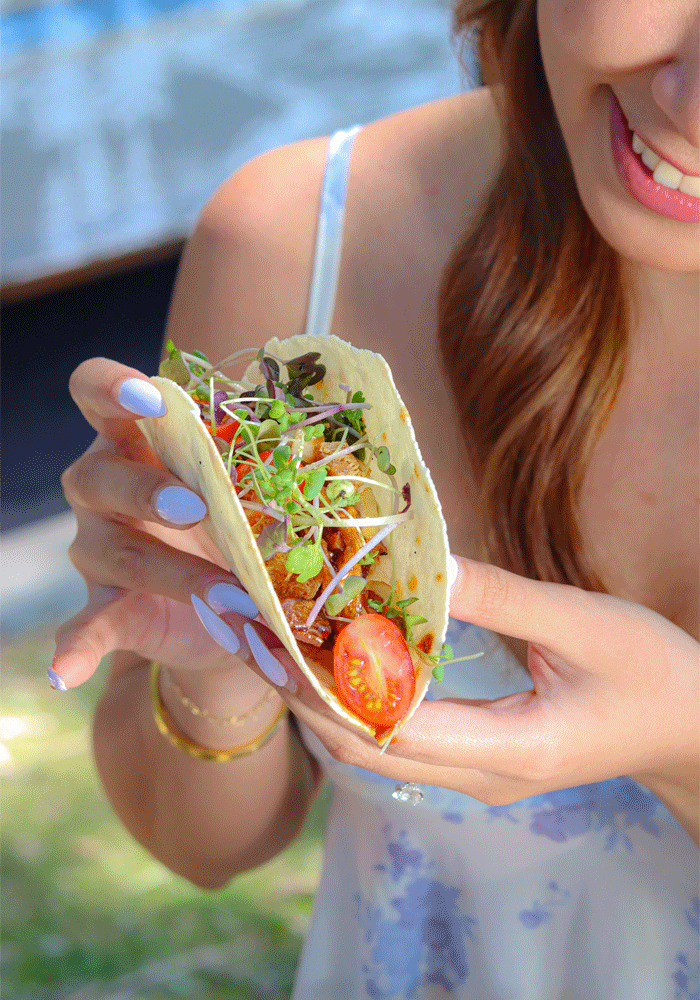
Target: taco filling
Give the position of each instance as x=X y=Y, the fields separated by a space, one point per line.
x=309 y=479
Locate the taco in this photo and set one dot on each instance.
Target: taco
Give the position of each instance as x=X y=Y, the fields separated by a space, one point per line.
x=320 y=502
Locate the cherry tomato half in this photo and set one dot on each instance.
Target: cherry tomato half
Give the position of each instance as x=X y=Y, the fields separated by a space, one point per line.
x=373 y=670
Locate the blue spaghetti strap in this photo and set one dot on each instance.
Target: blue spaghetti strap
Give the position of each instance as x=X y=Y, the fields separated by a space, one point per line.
x=329 y=234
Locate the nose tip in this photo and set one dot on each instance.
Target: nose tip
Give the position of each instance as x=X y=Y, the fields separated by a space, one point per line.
x=676 y=89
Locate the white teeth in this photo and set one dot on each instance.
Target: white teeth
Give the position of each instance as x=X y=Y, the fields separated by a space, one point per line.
x=665 y=173
x=649 y=158
x=668 y=175
x=690 y=185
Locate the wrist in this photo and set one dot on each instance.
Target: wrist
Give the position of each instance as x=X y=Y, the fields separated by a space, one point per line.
x=218 y=708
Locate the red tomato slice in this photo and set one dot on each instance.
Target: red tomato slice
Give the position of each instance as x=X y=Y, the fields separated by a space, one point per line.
x=373 y=670
x=228 y=431
x=224 y=431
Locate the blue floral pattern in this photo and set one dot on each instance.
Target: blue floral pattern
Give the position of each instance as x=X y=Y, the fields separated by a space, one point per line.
x=613 y=807
x=687 y=974
x=540 y=913
x=422 y=942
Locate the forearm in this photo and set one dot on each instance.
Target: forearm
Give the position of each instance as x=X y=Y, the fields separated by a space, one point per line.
x=206 y=820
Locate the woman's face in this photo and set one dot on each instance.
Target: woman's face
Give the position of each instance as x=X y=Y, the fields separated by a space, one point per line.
x=624 y=78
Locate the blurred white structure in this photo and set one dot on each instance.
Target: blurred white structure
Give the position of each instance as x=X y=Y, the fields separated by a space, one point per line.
x=119 y=120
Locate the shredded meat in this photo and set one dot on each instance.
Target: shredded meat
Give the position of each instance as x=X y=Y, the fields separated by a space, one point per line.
x=296 y=612
x=339 y=546
x=346 y=465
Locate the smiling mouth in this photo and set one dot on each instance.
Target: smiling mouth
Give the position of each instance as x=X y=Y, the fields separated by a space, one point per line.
x=650 y=179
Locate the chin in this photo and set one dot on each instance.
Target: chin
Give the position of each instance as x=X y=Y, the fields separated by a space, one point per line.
x=643 y=237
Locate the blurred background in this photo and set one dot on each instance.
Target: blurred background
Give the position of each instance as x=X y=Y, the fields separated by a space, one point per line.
x=119 y=118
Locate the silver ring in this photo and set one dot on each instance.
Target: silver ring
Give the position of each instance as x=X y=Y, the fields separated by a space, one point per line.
x=408 y=792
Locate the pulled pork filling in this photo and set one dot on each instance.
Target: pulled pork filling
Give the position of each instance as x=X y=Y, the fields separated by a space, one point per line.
x=339 y=545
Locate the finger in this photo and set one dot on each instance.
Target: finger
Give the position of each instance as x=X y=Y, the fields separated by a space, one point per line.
x=571 y=623
x=510 y=736
x=109 y=484
x=120 y=555
x=147 y=624
x=112 y=397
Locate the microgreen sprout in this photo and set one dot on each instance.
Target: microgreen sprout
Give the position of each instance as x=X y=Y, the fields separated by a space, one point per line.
x=446 y=656
x=398 y=611
x=266 y=436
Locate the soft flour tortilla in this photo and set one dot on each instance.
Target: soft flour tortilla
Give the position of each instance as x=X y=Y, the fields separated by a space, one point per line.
x=420 y=545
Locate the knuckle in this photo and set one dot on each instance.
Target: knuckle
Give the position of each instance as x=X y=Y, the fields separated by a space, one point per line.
x=78 y=478
x=494 y=593
x=129 y=562
x=541 y=764
x=344 y=751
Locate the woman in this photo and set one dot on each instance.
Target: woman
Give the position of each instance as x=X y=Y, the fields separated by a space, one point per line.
x=563 y=373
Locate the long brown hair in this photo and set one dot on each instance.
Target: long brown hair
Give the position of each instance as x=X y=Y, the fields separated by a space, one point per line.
x=532 y=320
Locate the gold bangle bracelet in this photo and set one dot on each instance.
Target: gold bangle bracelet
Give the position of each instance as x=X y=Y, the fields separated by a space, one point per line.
x=168 y=729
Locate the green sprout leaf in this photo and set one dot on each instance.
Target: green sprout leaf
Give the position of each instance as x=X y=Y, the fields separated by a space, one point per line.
x=304 y=561
x=384 y=461
x=339 y=489
x=173 y=367
x=277 y=409
x=314 y=483
x=268 y=435
x=312 y=431
x=438 y=672
x=350 y=587
x=281 y=456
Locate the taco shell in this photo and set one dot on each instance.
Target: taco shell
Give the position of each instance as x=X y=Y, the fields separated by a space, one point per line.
x=420 y=547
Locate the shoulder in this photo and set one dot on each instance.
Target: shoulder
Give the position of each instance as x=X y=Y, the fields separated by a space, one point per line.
x=416 y=183
x=416 y=179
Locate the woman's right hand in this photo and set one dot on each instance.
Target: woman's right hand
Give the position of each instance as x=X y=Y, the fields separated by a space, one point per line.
x=139 y=547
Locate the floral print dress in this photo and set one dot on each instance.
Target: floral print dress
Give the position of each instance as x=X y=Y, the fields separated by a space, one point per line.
x=589 y=893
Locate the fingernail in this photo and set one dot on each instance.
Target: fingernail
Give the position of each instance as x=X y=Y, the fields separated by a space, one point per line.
x=452 y=571
x=178 y=505
x=224 y=597
x=270 y=665
x=55 y=681
x=142 y=398
x=217 y=629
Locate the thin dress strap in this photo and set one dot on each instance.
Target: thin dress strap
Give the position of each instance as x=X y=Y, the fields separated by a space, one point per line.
x=329 y=234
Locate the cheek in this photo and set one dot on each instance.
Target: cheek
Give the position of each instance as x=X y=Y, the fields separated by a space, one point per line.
x=607 y=36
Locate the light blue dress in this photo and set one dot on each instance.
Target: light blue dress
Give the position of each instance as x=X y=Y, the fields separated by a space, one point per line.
x=590 y=893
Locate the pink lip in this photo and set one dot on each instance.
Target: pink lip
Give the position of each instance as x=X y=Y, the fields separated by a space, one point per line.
x=638 y=179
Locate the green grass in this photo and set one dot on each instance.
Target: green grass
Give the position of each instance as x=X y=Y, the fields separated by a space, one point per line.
x=87 y=914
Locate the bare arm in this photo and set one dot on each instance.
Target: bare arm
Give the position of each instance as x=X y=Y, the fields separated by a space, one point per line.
x=205 y=820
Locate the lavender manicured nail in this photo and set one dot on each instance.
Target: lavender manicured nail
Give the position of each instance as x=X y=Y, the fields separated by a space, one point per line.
x=140 y=397
x=224 y=597
x=178 y=505
x=217 y=629
x=270 y=666
x=55 y=681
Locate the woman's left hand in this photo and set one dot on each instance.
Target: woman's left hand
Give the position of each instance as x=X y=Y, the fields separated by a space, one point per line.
x=615 y=692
